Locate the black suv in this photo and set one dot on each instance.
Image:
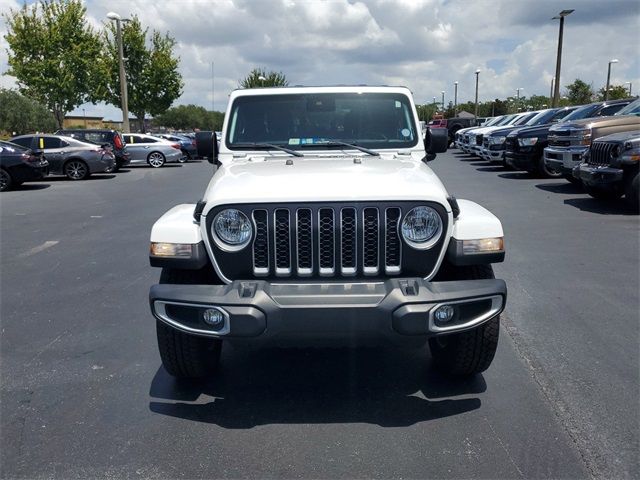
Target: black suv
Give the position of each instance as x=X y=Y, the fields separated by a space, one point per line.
x=102 y=137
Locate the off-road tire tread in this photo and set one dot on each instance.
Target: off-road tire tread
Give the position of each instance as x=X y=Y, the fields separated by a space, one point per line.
x=471 y=352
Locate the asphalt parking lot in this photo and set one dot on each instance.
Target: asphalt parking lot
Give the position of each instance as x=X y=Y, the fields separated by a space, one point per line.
x=83 y=393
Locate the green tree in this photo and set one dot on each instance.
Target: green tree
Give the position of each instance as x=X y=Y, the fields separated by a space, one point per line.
x=579 y=92
x=259 y=77
x=53 y=54
x=615 y=92
x=189 y=117
x=20 y=114
x=153 y=79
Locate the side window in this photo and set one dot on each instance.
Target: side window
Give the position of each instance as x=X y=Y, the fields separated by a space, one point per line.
x=63 y=144
x=23 y=142
x=130 y=139
x=610 y=110
x=148 y=140
x=51 y=142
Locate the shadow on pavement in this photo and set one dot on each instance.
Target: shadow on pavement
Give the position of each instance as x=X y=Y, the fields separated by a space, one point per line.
x=387 y=387
x=29 y=186
x=516 y=176
x=564 y=187
x=166 y=165
x=491 y=169
x=94 y=176
x=606 y=207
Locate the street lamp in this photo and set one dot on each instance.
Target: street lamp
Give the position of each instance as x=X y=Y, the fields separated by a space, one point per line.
x=123 y=79
x=629 y=87
x=606 y=90
x=518 y=97
x=455 y=100
x=477 y=74
x=556 y=91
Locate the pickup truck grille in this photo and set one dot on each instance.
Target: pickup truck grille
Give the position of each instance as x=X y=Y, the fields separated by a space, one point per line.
x=328 y=241
x=600 y=153
x=479 y=139
x=511 y=144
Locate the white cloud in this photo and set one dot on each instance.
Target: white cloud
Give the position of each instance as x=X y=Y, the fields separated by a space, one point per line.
x=426 y=44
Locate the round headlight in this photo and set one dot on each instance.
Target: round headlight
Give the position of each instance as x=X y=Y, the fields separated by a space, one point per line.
x=422 y=227
x=232 y=229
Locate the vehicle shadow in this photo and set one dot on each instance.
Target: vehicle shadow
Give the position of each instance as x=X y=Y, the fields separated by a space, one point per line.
x=517 y=176
x=490 y=169
x=564 y=187
x=386 y=387
x=94 y=176
x=29 y=186
x=166 y=165
x=605 y=207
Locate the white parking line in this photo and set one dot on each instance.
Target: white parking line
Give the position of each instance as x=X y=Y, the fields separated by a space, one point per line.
x=96 y=216
x=39 y=248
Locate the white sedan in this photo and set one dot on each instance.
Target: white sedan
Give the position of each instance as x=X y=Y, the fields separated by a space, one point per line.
x=152 y=150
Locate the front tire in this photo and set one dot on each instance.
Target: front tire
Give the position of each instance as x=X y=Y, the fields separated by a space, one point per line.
x=632 y=191
x=6 y=182
x=471 y=352
x=76 y=170
x=544 y=171
x=183 y=355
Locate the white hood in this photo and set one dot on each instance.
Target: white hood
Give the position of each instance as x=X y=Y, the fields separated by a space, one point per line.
x=268 y=179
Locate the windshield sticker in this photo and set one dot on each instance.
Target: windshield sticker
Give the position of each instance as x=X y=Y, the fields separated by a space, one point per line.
x=306 y=141
x=405 y=132
x=294 y=141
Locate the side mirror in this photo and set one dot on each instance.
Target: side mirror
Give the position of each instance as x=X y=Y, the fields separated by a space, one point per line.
x=207 y=146
x=436 y=141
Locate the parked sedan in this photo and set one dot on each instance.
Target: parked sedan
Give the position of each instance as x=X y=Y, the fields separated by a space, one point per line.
x=68 y=156
x=18 y=165
x=187 y=145
x=101 y=137
x=152 y=150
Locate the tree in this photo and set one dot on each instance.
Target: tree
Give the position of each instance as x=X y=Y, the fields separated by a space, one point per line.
x=579 y=92
x=153 y=79
x=20 y=114
x=615 y=92
x=189 y=117
x=259 y=77
x=53 y=54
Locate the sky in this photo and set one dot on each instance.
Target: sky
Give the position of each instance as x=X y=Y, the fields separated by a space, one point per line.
x=426 y=45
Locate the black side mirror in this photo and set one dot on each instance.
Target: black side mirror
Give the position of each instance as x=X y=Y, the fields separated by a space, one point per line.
x=436 y=141
x=207 y=146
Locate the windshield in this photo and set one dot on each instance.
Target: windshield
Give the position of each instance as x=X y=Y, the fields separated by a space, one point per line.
x=562 y=114
x=506 y=120
x=632 y=109
x=582 y=112
x=372 y=120
x=493 y=121
x=541 y=118
x=524 y=119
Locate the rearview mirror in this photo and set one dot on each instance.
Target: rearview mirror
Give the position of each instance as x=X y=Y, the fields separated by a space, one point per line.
x=207 y=146
x=436 y=141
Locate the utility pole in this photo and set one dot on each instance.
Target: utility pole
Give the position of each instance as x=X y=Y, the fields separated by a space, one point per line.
x=123 y=78
x=606 y=90
x=556 y=91
x=476 y=111
x=455 y=99
x=551 y=91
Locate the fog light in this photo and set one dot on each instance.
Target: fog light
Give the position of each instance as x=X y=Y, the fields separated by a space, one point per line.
x=444 y=313
x=213 y=317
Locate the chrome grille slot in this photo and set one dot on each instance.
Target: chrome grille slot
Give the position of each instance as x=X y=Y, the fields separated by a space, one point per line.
x=348 y=241
x=371 y=241
x=282 y=242
x=304 y=241
x=261 y=243
x=392 y=241
x=326 y=241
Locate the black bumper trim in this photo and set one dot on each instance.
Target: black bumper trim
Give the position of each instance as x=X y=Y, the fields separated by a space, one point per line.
x=595 y=175
x=328 y=310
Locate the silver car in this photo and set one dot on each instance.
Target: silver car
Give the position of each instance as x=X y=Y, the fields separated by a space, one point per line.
x=68 y=156
x=152 y=150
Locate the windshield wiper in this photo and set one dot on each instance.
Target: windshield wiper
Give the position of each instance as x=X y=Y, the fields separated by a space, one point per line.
x=264 y=146
x=338 y=143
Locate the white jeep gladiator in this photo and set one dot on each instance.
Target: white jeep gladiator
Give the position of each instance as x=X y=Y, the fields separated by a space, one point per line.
x=323 y=222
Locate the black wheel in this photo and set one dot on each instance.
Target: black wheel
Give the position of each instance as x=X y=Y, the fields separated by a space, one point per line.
x=603 y=193
x=76 y=170
x=632 y=191
x=543 y=171
x=6 y=182
x=184 y=355
x=156 y=159
x=471 y=352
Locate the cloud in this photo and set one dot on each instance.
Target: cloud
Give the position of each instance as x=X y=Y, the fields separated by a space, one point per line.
x=426 y=45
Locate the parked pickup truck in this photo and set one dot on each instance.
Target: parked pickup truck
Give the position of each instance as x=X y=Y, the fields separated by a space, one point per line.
x=570 y=139
x=324 y=223
x=611 y=167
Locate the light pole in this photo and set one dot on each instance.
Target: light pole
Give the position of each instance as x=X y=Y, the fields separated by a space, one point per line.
x=556 y=91
x=551 y=91
x=84 y=114
x=455 y=100
x=477 y=75
x=262 y=79
x=518 y=98
x=629 y=87
x=123 y=78
x=442 y=92
x=606 y=91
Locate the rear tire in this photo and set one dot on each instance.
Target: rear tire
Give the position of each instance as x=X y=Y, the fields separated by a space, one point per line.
x=76 y=170
x=467 y=353
x=6 y=182
x=632 y=191
x=603 y=193
x=156 y=159
x=184 y=355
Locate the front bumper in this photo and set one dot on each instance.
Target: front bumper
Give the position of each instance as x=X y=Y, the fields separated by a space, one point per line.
x=520 y=161
x=563 y=159
x=599 y=175
x=492 y=155
x=394 y=308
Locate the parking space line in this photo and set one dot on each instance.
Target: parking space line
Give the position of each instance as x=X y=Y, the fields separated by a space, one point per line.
x=39 y=248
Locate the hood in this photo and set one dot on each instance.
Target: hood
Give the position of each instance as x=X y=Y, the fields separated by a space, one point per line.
x=632 y=137
x=503 y=131
x=611 y=121
x=324 y=179
x=535 y=131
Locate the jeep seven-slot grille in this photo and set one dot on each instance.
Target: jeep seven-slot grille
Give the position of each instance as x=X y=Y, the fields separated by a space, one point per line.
x=327 y=241
x=601 y=153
